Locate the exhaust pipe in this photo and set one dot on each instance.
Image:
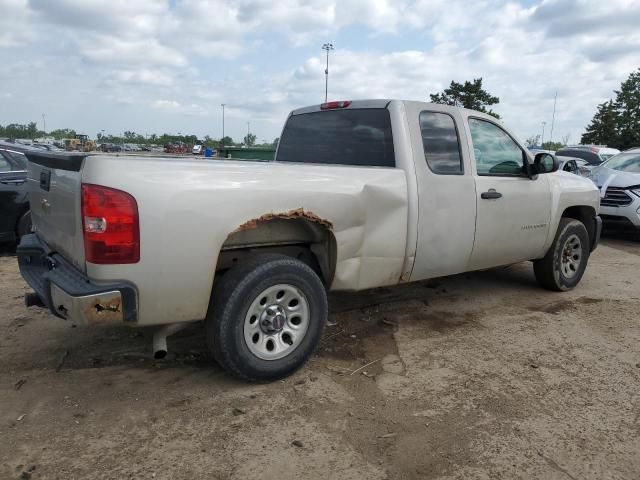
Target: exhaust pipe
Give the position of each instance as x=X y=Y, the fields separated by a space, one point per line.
x=32 y=299
x=160 y=338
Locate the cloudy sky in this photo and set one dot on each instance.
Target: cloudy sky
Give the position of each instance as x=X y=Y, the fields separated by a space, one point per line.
x=167 y=65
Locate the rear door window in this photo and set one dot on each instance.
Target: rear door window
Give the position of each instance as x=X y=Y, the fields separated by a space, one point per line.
x=12 y=161
x=440 y=143
x=342 y=137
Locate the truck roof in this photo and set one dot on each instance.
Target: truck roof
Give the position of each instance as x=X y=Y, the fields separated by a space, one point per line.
x=383 y=103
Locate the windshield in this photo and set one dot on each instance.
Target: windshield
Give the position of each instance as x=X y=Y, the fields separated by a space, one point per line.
x=625 y=162
x=606 y=156
x=345 y=137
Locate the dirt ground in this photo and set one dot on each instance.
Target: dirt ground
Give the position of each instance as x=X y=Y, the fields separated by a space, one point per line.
x=481 y=375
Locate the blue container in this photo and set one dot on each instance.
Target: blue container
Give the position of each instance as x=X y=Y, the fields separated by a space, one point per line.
x=208 y=152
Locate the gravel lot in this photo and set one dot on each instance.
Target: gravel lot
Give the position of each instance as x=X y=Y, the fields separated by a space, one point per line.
x=481 y=375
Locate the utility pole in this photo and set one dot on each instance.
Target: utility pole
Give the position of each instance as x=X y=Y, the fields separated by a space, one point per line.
x=248 y=132
x=222 y=140
x=542 y=139
x=44 y=125
x=327 y=47
x=553 y=118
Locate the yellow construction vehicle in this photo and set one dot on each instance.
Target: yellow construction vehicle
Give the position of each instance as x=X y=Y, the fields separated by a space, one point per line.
x=80 y=143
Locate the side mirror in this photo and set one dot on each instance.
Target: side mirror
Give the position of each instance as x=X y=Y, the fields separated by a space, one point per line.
x=545 y=163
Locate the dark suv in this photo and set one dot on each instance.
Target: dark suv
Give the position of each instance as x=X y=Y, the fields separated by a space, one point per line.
x=15 y=219
x=593 y=154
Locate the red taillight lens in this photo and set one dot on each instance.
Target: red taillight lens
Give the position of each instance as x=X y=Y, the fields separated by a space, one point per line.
x=332 y=105
x=111 y=226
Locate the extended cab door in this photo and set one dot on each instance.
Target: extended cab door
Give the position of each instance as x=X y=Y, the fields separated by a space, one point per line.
x=513 y=210
x=446 y=191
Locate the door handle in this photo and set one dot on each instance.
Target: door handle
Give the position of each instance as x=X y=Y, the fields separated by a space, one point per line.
x=490 y=194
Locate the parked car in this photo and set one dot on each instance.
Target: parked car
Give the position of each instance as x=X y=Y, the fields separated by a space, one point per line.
x=593 y=154
x=575 y=165
x=361 y=194
x=619 y=182
x=198 y=149
x=110 y=147
x=47 y=146
x=579 y=166
x=15 y=219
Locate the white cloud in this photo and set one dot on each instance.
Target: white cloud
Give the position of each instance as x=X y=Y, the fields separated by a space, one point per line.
x=165 y=104
x=262 y=58
x=143 y=77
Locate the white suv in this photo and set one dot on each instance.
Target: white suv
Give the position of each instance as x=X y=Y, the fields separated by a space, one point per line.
x=619 y=182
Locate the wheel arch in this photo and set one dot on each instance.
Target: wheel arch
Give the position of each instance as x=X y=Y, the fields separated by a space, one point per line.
x=584 y=214
x=297 y=234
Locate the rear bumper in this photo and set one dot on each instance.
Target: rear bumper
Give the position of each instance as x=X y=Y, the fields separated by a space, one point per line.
x=68 y=293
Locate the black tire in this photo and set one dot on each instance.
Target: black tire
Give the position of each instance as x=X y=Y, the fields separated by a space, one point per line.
x=549 y=270
x=233 y=296
x=24 y=226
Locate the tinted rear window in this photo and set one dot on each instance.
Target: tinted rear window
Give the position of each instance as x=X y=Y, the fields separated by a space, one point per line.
x=440 y=142
x=16 y=161
x=343 y=137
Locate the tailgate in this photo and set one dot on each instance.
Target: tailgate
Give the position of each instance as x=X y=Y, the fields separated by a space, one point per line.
x=54 y=185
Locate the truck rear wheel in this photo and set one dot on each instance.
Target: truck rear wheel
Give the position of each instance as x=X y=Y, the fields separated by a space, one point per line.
x=266 y=317
x=564 y=264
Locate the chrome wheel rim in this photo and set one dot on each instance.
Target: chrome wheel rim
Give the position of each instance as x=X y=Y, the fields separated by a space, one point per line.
x=571 y=256
x=276 y=322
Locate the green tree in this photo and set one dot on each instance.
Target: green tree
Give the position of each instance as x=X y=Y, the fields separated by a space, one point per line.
x=616 y=123
x=532 y=141
x=227 y=141
x=627 y=104
x=603 y=129
x=468 y=95
x=62 y=133
x=249 y=139
x=552 y=146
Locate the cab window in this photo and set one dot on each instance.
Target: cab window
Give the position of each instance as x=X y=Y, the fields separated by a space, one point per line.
x=440 y=143
x=496 y=153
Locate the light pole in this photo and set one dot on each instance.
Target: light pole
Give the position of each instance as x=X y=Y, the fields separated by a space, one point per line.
x=222 y=140
x=542 y=139
x=248 y=132
x=553 y=118
x=327 y=47
x=44 y=125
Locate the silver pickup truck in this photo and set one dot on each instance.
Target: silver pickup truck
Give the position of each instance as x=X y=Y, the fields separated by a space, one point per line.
x=361 y=194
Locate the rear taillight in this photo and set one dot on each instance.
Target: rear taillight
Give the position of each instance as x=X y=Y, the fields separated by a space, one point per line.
x=111 y=226
x=334 y=105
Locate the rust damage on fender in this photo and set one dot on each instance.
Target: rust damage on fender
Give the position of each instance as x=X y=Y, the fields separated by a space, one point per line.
x=290 y=215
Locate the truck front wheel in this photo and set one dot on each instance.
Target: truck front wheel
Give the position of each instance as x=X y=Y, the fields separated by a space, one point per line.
x=266 y=317
x=564 y=264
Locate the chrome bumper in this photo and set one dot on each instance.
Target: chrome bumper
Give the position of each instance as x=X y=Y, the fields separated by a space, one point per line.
x=68 y=293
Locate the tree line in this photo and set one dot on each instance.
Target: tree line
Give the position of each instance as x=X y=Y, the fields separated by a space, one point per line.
x=616 y=122
x=31 y=131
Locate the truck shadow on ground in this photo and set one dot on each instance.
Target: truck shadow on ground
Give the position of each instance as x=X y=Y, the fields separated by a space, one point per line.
x=358 y=322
